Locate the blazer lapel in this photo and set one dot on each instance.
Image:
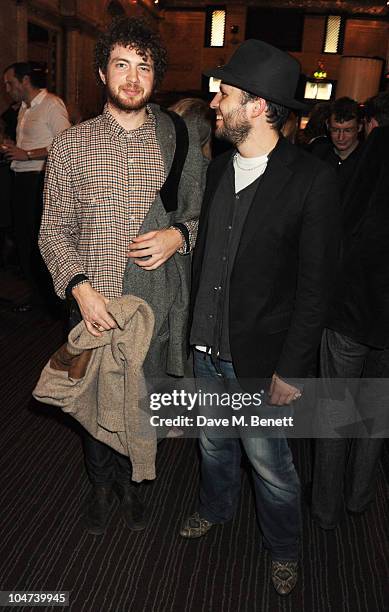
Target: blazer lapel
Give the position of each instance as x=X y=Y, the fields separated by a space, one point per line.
x=215 y=173
x=218 y=170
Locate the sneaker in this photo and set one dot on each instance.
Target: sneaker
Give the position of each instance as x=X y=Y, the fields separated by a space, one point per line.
x=284 y=576
x=195 y=526
x=98 y=510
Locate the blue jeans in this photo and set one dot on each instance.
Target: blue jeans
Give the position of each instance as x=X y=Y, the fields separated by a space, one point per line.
x=276 y=483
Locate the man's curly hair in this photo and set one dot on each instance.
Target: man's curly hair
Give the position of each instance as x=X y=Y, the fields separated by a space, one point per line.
x=134 y=33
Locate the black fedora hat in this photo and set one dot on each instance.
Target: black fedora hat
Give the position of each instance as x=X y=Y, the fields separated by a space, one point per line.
x=263 y=70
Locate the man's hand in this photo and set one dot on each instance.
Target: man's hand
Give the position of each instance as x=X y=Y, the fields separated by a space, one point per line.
x=281 y=394
x=14 y=153
x=157 y=246
x=93 y=309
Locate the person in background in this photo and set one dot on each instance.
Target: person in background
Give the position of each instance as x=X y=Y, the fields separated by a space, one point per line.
x=356 y=339
x=197 y=111
x=8 y=123
x=315 y=131
x=376 y=112
x=5 y=208
x=10 y=119
x=345 y=127
x=41 y=117
x=290 y=128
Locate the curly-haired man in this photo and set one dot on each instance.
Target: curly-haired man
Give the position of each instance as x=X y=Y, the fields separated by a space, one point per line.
x=122 y=197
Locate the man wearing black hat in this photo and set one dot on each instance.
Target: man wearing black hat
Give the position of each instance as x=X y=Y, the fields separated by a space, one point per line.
x=265 y=253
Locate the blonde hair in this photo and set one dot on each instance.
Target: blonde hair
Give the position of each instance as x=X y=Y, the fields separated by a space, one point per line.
x=199 y=112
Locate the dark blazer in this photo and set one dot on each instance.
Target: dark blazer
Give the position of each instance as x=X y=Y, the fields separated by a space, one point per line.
x=282 y=274
x=361 y=306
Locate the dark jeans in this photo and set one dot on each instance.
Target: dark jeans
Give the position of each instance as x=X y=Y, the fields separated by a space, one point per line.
x=276 y=484
x=103 y=464
x=346 y=466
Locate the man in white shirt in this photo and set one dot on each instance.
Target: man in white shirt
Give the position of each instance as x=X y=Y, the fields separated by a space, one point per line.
x=42 y=116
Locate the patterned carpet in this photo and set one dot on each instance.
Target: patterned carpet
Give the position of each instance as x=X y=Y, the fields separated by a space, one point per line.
x=44 y=547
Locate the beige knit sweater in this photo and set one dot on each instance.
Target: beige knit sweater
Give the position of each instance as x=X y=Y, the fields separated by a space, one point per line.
x=99 y=381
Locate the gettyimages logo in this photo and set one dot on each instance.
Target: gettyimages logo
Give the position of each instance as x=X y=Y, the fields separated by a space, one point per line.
x=187 y=400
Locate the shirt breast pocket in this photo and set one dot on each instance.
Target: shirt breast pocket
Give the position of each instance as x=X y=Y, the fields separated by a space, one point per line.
x=93 y=203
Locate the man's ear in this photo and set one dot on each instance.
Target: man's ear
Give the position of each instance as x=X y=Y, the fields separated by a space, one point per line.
x=102 y=76
x=374 y=122
x=258 y=107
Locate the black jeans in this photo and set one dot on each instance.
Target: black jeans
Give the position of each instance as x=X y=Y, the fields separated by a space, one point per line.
x=346 y=467
x=103 y=464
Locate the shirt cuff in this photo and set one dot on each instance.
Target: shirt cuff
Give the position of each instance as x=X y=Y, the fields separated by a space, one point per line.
x=181 y=227
x=79 y=279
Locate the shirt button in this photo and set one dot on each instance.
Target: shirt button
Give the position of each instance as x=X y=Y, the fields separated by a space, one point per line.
x=229 y=227
x=224 y=258
x=237 y=197
x=210 y=316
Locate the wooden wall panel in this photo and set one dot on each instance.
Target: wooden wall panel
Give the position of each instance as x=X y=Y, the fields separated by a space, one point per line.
x=183 y=35
x=13 y=40
x=366 y=38
x=314 y=32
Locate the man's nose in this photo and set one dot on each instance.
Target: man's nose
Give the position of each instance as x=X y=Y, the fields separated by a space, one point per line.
x=132 y=74
x=215 y=101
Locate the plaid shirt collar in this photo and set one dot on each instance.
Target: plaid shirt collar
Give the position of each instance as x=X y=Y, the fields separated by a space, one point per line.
x=143 y=132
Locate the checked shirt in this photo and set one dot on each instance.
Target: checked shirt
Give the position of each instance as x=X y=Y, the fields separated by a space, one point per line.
x=100 y=183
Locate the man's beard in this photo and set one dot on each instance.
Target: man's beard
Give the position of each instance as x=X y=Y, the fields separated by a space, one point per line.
x=130 y=105
x=235 y=127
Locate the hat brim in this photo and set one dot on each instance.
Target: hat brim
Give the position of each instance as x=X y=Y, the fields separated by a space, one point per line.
x=234 y=80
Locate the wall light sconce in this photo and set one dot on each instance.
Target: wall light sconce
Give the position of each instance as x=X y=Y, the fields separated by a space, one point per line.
x=234 y=30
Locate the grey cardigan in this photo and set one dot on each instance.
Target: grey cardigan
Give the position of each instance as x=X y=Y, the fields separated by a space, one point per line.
x=166 y=289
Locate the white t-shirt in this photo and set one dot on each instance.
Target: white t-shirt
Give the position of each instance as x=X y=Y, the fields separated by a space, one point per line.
x=248 y=169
